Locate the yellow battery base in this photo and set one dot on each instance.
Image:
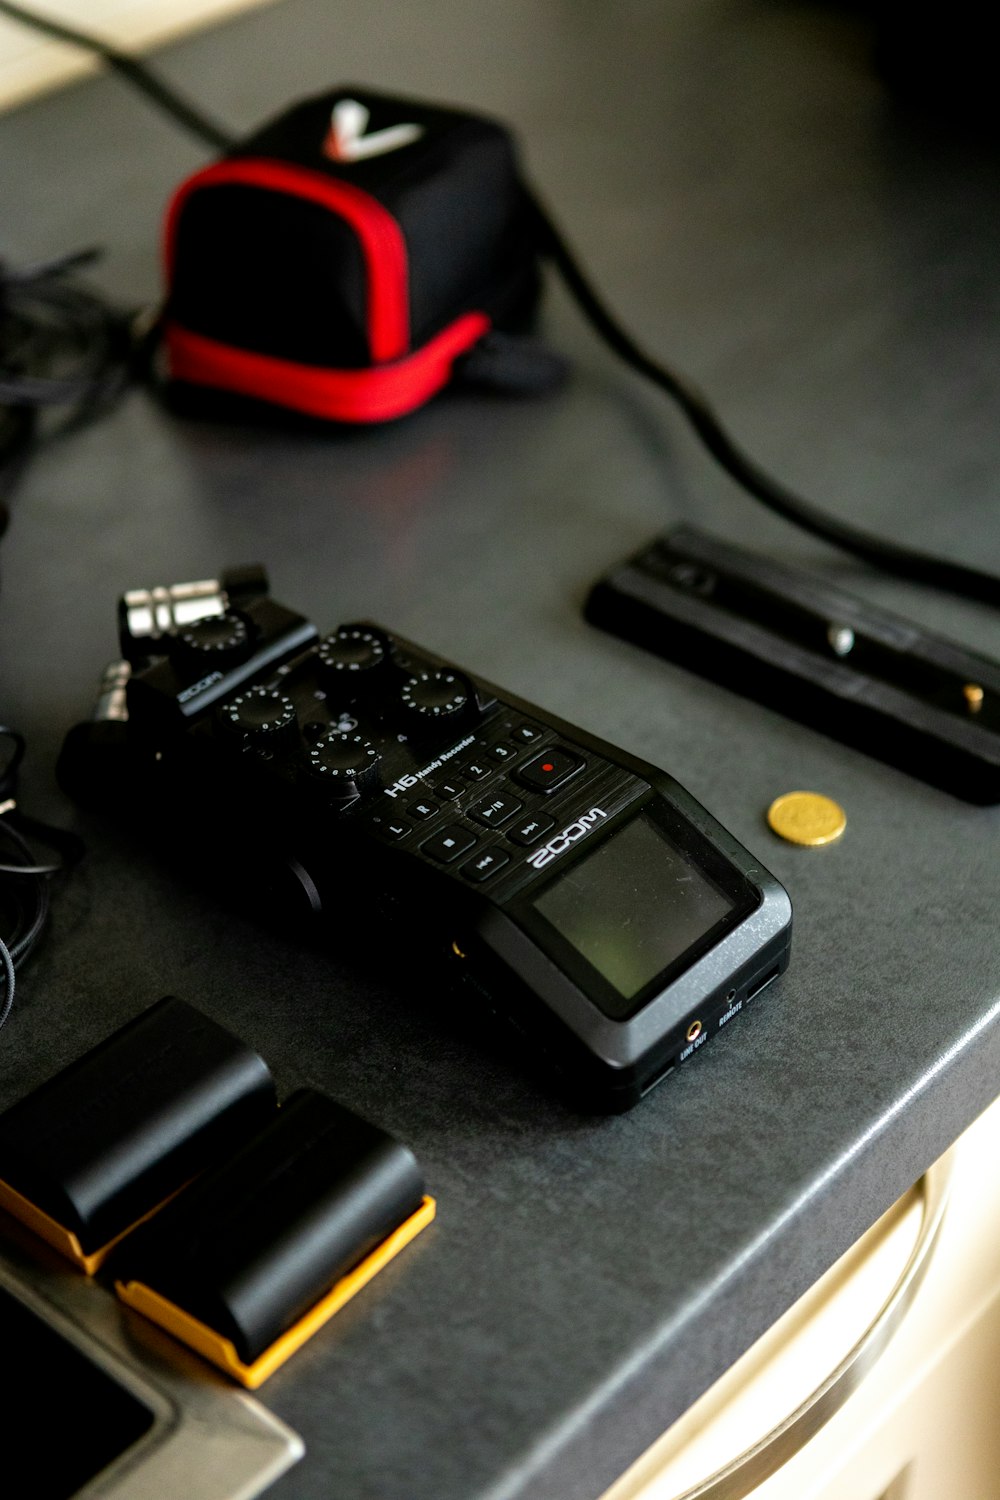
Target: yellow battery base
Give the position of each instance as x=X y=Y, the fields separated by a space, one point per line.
x=221 y=1352
x=57 y=1235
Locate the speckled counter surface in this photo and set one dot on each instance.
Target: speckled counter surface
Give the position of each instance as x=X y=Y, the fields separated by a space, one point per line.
x=826 y=266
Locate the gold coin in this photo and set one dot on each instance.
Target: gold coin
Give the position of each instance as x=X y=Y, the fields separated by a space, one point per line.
x=807 y=818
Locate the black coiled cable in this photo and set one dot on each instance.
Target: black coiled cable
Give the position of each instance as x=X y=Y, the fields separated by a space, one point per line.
x=25 y=881
x=61 y=345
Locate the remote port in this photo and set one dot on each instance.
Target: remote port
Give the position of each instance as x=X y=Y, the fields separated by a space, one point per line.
x=694 y=1031
x=763 y=983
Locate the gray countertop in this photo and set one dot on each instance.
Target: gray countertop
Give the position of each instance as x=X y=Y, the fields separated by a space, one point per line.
x=825 y=264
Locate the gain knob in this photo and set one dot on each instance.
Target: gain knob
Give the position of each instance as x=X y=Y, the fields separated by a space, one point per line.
x=347 y=764
x=437 y=698
x=216 y=639
x=351 y=656
x=260 y=715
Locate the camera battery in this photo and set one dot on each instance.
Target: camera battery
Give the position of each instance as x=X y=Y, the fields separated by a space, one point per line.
x=100 y=1146
x=252 y=1259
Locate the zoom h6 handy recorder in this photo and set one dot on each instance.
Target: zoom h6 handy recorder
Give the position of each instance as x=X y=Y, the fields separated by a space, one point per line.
x=577 y=891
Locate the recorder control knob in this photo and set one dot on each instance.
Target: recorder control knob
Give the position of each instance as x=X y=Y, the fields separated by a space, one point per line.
x=347 y=764
x=259 y=714
x=215 y=639
x=351 y=656
x=437 y=697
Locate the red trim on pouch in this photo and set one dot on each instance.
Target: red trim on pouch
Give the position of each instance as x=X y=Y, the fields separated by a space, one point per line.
x=370 y=395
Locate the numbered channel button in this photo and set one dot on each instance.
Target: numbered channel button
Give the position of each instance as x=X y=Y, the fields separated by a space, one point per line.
x=447 y=789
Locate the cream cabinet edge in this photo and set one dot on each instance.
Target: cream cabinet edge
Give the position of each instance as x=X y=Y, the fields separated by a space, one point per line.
x=957 y=1297
x=30 y=64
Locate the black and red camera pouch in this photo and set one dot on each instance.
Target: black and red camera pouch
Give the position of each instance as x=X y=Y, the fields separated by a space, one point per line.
x=343 y=260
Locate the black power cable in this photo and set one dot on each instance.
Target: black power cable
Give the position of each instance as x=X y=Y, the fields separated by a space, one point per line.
x=905 y=562
x=138 y=74
x=902 y=561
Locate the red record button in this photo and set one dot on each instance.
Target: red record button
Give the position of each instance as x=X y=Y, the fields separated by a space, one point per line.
x=549 y=769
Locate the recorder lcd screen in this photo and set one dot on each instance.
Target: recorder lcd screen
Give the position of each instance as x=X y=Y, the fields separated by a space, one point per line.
x=634 y=906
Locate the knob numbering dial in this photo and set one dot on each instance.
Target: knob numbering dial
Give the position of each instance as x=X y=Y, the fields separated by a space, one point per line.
x=259 y=714
x=431 y=697
x=345 y=763
x=215 y=638
x=351 y=654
